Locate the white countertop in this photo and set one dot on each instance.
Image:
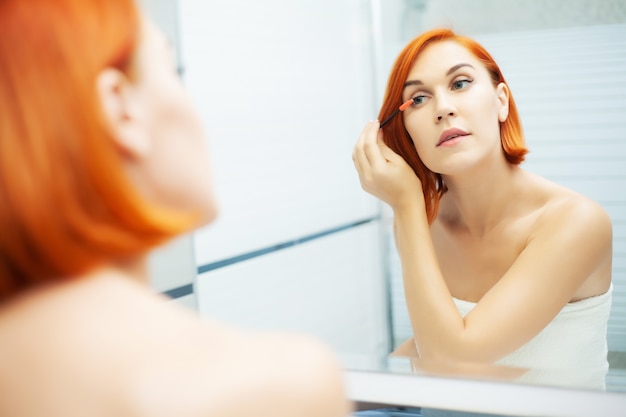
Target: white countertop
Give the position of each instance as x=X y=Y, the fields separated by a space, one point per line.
x=394 y=385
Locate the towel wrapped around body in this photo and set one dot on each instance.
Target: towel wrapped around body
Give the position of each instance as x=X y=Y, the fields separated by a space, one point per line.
x=570 y=351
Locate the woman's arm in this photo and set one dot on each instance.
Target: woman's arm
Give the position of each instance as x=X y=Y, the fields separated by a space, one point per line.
x=570 y=242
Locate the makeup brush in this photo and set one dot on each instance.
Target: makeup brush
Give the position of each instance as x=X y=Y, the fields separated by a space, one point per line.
x=403 y=107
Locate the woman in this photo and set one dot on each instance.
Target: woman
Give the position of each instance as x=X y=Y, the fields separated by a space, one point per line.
x=499 y=265
x=103 y=158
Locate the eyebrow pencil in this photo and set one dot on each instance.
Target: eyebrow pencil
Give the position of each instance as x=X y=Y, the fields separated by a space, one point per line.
x=403 y=107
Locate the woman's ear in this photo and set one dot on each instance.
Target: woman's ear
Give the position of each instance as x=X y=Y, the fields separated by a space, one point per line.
x=502 y=92
x=122 y=111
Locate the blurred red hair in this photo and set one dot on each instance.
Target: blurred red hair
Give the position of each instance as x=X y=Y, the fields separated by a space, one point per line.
x=66 y=203
x=397 y=137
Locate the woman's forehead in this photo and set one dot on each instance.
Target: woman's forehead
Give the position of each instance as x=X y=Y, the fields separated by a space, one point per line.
x=438 y=57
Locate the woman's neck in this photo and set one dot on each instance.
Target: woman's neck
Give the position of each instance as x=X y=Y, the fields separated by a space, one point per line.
x=134 y=268
x=478 y=202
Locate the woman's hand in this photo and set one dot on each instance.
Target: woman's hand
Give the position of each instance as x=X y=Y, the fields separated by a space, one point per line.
x=382 y=172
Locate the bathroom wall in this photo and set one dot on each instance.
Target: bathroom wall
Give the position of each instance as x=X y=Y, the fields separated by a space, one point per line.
x=284 y=88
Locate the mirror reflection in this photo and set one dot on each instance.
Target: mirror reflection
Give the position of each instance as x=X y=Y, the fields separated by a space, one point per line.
x=498 y=264
x=558 y=134
x=305 y=249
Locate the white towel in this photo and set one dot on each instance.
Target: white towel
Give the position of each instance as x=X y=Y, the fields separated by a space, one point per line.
x=570 y=351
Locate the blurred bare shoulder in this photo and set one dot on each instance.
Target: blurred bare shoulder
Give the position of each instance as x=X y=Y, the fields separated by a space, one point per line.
x=108 y=346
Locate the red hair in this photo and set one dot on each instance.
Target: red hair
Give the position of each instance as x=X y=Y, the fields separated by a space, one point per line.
x=66 y=203
x=397 y=137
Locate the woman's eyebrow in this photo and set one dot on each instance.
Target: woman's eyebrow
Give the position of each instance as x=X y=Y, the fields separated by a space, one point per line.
x=457 y=66
x=452 y=69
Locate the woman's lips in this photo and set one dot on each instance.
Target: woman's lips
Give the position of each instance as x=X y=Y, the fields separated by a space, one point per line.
x=452 y=136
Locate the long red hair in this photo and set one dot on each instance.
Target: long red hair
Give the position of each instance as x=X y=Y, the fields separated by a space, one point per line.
x=397 y=137
x=66 y=203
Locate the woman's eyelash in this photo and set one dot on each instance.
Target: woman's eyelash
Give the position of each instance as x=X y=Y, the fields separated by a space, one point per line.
x=457 y=84
x=418 y=99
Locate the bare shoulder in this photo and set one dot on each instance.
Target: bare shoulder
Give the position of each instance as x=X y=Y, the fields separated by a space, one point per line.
x=575 y=230
x=581 y=214
x=115 y=347
x=228 y=371
x=278 y=375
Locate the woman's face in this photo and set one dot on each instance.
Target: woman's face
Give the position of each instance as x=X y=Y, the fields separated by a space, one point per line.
x=175 y=170
x=455 y=123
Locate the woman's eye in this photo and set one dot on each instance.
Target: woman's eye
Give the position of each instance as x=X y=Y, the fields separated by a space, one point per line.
x=460 y=84
x=419 y=99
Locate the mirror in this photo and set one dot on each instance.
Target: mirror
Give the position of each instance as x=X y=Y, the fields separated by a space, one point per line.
x=544 y=50
x=298 y=246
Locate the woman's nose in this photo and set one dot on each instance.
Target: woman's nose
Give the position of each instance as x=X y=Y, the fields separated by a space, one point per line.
x=440 y=117
x=444 y=109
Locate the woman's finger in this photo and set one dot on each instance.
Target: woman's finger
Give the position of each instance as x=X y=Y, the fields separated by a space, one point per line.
x=388 y=153
x=372 y=133
x=363 y=148
x=357 y=159
x=358 y=154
